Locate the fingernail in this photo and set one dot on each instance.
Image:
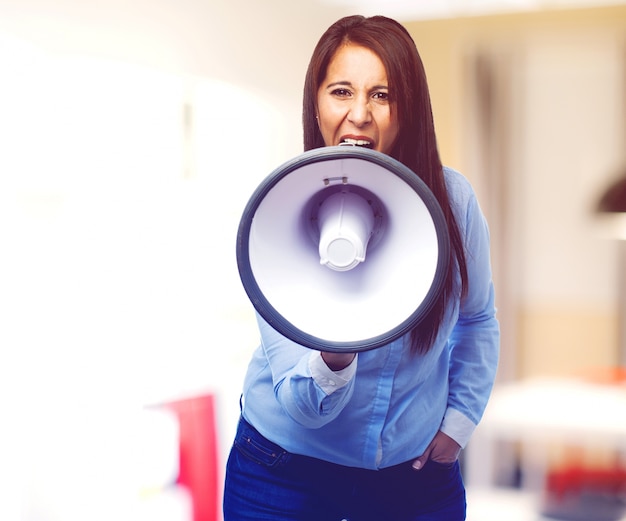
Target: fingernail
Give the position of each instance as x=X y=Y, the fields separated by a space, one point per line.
x=417 y=464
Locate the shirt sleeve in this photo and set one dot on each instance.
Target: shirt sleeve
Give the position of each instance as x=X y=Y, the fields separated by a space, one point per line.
x=475 y=340
x=307 y=390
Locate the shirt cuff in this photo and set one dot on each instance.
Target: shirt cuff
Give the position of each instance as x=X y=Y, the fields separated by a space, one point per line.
x=458 y=426
x=329 y=380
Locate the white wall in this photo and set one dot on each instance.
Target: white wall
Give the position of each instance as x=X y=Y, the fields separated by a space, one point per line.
x=573 y=144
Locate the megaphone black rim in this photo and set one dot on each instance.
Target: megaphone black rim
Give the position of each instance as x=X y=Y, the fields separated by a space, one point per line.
x=273 y=317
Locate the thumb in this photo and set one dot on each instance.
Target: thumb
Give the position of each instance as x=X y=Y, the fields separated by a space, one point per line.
x=418 y=463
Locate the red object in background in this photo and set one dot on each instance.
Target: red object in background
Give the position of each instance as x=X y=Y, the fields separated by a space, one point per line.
x=576 y=479
x=198 y=454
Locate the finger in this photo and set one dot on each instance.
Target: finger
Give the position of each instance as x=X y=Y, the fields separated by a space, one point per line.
x=419 y=463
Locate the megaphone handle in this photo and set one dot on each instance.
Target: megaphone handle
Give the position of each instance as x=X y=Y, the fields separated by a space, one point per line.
x=338 y=361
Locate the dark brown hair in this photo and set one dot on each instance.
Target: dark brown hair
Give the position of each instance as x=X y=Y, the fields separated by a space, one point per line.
x=416 y=145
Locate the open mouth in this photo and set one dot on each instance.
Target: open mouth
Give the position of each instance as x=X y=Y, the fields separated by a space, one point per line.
x=357 y=143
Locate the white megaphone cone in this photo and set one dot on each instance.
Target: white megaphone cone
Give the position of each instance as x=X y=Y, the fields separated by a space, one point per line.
x=304 y=238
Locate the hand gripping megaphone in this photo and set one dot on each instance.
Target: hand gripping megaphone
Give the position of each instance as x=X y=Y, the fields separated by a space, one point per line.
x=342 y=249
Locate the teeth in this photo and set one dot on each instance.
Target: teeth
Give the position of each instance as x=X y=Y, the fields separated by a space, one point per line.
x=357 y=142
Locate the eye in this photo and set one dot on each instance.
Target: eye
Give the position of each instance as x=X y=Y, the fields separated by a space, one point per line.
x=341 y=93
x=381 y=96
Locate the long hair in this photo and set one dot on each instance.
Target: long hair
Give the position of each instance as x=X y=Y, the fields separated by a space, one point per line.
x=416 y=145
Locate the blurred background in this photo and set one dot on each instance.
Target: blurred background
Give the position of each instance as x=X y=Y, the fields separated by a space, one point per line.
x=132 y=135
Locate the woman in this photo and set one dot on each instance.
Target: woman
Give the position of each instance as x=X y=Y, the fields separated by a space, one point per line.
x=373 y=436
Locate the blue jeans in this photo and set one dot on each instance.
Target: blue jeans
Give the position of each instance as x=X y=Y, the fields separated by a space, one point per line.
x=263 y=481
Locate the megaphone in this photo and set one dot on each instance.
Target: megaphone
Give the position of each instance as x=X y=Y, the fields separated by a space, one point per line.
x=342 y=249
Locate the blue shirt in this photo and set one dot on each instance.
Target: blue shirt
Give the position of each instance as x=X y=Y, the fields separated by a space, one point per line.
x=387 y=406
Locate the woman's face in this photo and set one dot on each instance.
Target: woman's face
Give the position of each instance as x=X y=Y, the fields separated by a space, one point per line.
x=353 y=104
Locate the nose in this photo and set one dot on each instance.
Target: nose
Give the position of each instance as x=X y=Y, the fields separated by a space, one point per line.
x=360 y=114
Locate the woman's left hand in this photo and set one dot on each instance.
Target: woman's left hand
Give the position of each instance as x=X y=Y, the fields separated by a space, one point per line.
x=443 y=449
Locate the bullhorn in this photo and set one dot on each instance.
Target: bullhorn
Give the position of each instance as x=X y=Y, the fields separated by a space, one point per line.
x=342 y=249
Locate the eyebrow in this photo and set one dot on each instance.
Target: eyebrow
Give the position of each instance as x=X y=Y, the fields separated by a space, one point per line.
x=349 y=84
